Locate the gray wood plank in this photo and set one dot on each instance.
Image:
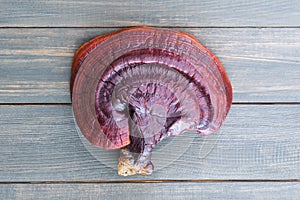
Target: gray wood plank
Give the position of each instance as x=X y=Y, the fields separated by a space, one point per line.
x=44 y=13
x=40 y=143
x=131 y=191
x=263 y=64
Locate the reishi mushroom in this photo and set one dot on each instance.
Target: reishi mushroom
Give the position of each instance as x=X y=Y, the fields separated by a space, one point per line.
x=134 y=87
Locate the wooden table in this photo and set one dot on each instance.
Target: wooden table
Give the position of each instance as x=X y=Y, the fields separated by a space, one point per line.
x=256 y=155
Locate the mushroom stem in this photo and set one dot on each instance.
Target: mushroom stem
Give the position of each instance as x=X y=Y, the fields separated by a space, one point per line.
x=145 y=132
x=131 y=163
x=135 y=158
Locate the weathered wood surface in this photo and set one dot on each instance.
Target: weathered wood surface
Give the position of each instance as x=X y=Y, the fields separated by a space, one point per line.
x=263 y=64
x=73 y=13
x=40 y=143
x=257 y=41
x=112 y=191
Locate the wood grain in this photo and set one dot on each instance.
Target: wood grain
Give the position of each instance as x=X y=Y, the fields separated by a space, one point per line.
x=40 y=143
x=257 y=41
x=90 y=13
x=131 y=191
x=263 y=64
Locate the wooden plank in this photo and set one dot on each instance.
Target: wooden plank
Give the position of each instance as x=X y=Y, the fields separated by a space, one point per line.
x=90 y=13
x=263 y=64
x=131 y=191
x=40 y=143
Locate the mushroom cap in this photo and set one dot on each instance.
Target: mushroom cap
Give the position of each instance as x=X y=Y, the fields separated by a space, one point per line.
x=150 y=77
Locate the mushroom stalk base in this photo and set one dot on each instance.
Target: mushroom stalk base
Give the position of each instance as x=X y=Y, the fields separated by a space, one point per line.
x=134 y=163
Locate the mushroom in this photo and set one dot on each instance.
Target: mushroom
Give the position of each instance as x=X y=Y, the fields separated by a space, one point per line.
x=132 y=88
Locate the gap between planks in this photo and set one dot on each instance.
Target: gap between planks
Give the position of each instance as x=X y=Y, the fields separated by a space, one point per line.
x=171 y=27
x=150 y=181
x=69 y=104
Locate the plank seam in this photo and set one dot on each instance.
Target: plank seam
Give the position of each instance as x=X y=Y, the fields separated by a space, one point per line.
x=150 y=181
x=70 y=104
x=190 y=27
